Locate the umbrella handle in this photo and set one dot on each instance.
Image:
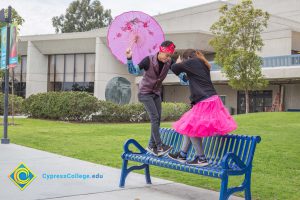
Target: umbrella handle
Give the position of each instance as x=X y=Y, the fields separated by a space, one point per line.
x=133 y=41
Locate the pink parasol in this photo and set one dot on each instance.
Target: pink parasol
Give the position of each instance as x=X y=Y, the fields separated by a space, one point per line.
x=135 y=30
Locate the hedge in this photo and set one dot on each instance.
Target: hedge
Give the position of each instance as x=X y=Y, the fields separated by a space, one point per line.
x=14 y=100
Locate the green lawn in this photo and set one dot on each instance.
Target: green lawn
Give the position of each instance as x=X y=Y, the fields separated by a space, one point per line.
x=276 y=167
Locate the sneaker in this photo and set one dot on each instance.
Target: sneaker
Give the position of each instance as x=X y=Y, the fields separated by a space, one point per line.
x=152 y=150
x=177 y=156
x=199 y=161
x=163 y=149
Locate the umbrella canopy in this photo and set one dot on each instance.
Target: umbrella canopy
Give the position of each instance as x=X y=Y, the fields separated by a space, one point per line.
x=135 y=30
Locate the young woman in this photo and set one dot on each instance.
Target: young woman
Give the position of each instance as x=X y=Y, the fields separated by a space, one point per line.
x=208 y=116
x=155 y=68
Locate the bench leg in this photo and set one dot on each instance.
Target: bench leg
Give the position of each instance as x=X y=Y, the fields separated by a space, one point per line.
x=248 y=186
x=123 y=173
x=147 y=174
x=224 y=189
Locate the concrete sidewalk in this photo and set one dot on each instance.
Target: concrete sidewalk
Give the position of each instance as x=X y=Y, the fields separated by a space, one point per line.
x=41 y=163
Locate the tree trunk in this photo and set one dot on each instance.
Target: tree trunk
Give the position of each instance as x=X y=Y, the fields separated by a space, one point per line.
x=247 y=101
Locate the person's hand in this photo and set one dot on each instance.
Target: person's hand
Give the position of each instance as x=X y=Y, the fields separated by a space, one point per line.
x=178 y=60
x=128 y=53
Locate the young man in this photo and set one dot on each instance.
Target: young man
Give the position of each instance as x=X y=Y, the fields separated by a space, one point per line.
x=155 y=68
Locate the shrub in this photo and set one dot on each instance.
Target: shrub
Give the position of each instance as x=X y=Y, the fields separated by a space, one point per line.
x=68 y=106
x=110 y=112
x=14 y=100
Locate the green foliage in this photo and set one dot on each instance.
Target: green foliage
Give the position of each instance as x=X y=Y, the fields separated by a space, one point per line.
x=237 y=39
x=16 y=18
x=80 y=106
x=14 y=100
x=110 y=112
x=173 y=111
x=82 y=15
x=68 y=106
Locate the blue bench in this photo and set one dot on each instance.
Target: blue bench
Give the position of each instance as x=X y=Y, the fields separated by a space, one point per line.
x=293 y=110
x=229 y=155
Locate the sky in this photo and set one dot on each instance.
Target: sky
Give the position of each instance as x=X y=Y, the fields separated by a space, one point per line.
x=38 y=13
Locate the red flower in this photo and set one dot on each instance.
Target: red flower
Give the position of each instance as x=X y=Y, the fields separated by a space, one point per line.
x=145 y=24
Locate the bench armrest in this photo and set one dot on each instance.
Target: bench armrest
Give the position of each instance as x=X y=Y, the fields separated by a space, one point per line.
x=231 y=156
x=136 y=144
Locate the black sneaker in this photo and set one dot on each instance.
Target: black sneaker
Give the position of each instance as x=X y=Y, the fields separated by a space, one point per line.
x=152 y=150
x=199 y=161
x=177 y=156
x=163 y=149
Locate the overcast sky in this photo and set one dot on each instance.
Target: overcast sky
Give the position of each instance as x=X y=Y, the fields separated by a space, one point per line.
x=38 y=13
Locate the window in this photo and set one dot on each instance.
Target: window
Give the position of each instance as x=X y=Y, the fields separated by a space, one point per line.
x=72 y=72
x=18 y=74
x=223 y=98
x=259 y=101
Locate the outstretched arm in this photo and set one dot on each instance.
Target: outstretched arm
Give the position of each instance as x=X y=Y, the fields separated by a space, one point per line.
x=132 y=69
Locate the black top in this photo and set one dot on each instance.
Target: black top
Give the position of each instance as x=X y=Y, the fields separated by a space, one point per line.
x=198 y=74
x=144 y=64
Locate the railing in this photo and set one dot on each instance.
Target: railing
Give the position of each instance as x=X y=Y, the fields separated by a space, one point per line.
x=280 y=61
x=275 y=61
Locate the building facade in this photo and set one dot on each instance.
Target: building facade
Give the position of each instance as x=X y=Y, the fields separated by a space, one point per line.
x=83 y=62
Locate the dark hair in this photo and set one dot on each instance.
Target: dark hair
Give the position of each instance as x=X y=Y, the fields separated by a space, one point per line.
x=192 y=53
x=167 y=43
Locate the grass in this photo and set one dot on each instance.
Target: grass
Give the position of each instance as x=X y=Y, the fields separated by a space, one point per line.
x=276 y=166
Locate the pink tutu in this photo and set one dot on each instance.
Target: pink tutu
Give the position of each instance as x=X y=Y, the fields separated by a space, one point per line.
x=207 y=118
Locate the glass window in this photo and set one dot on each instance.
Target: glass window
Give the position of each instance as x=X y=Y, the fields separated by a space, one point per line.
x=79 y=68
x=69 y=73
x=223 y=98
x=72 y=72
x=259 y=101
x=59 y=68
x=24 y=68
x=90 y=68
x=51 y=67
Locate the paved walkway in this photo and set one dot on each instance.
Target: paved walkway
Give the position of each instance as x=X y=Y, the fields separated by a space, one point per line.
x=41 y=163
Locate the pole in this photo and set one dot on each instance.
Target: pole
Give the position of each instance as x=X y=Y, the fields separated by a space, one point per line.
x=5 y=139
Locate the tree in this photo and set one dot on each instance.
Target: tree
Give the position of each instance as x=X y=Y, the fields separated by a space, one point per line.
x=16 y=18
x=237 y=39
x=82 y=15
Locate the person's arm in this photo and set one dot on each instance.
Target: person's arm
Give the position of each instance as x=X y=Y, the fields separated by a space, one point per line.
x=178 y=68
x=136 y=69
x=132 y=69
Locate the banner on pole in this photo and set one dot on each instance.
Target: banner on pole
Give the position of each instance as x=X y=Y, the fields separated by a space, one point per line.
x=3 y=47
x=13 y=55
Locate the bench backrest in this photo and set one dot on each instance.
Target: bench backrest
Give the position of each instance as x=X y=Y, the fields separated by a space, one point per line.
x=217 y=146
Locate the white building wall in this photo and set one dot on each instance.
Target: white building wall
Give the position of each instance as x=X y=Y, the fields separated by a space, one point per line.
x=190 y=19
x=106 y=68
x=292 y=96
x=37 y=71
x=230 y=96
x=176 y=93
x=296 y=40
x=276 y=43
